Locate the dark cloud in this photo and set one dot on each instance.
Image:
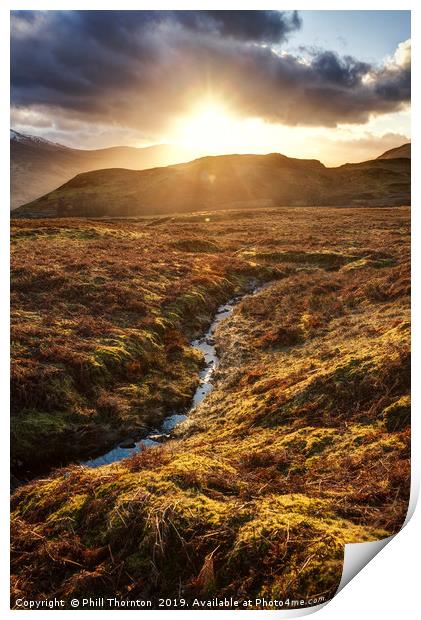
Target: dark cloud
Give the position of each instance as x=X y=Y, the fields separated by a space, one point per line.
x=251 y=26
x=140 y=68
x=394 y=86
x=346 y=72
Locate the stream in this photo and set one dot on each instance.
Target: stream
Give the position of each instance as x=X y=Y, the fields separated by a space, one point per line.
x=206 y=344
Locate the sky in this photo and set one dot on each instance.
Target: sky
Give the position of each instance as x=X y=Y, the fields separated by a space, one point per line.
x=328 y=85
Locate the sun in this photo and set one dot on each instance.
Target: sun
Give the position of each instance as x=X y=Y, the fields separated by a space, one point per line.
x=214 y=127
x=208 y=128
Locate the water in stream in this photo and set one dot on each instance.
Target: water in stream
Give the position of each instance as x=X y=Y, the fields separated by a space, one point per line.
x=206 y=344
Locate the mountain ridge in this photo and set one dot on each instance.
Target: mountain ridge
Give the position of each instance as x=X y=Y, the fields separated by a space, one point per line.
x=399 y=151
x=223 y=182
x=39 y=166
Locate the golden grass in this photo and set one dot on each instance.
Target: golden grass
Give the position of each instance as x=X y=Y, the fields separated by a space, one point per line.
x=302 y=446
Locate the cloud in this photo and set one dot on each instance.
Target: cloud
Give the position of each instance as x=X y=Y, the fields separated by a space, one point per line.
x=355 y=149
x=251 y=26
x=140 y=69
x=402 y=56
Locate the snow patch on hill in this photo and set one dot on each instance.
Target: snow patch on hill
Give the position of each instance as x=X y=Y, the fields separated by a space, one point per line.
x=15 y=136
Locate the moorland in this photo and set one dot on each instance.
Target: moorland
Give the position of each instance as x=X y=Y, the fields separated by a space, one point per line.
x=301 y=447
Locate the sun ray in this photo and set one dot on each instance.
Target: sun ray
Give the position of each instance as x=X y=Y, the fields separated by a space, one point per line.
x=209 y=127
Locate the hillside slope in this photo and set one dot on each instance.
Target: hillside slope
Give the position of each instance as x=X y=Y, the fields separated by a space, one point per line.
x=38 y=166
x=399 y=151
x=226 y=181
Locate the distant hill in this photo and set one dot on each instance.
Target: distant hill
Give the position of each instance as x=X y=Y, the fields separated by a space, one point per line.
x=400 y=151
x=38 y=166
x=226 y=181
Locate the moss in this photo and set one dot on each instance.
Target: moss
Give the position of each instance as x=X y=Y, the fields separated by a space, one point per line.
x=277 y=523
x=362 y=443
x=397 y=416
x=114 y=353
x=327 y=260
x=195 y=470
x=137 y=563
x=319 y=440
x=276 y=515
x=346 y=388
x=34 y=427
x=71 y=511
x=368 y=263
x=41 y=498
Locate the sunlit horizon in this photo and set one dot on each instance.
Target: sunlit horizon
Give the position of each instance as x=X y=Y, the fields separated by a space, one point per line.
x=213 y=127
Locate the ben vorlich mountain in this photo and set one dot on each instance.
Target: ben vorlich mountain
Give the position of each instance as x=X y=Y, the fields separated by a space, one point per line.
x=224 y=182
x=38 y=166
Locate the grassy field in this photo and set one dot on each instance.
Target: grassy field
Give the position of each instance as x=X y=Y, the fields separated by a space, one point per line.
x=101 y=316
x=302 y=446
